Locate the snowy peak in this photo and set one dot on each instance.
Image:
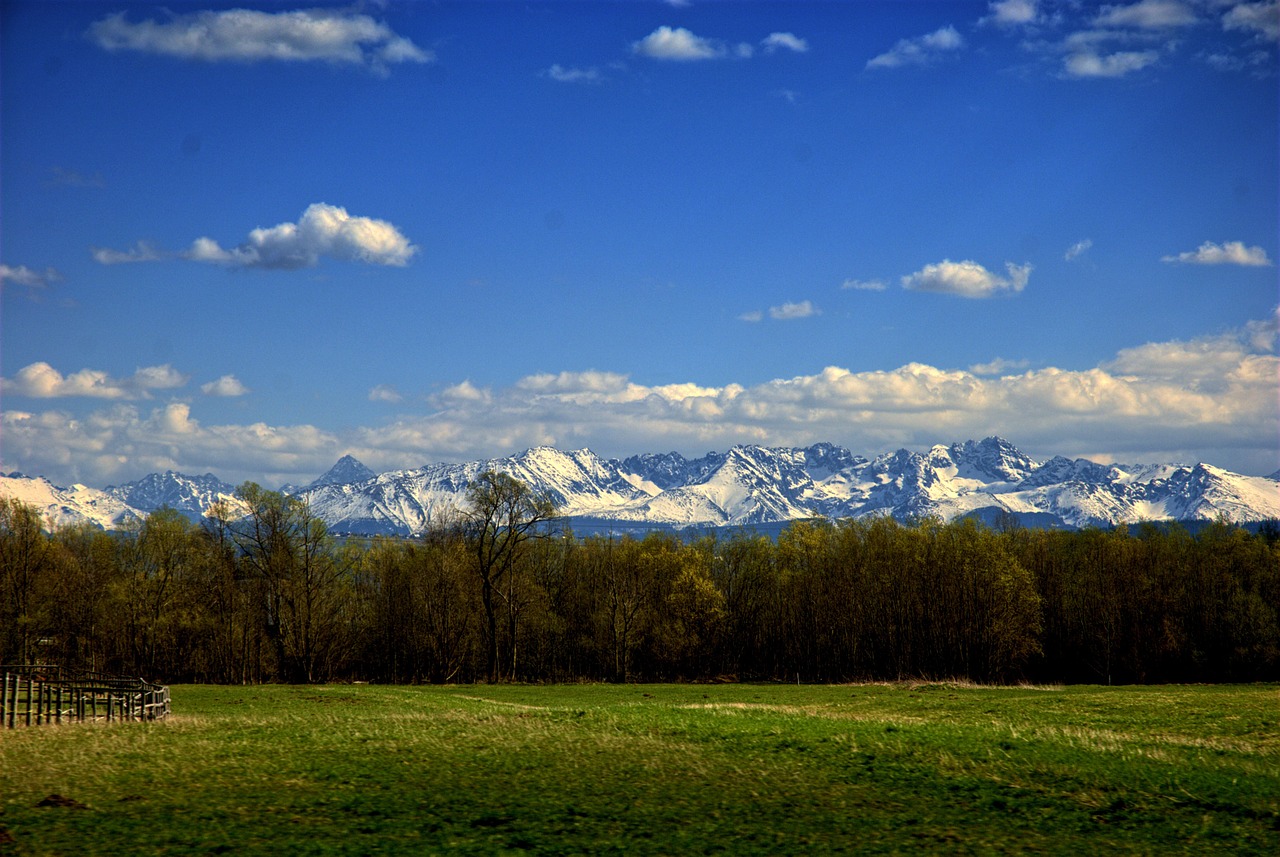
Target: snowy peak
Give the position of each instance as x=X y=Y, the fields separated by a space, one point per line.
x=193 y=496
x=664 y=470
x=568 y=477
x=347 y=469
x=60 y=507
x=746 y=485
x=993 y=459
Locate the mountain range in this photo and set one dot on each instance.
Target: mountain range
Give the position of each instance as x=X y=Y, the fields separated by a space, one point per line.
x=745 y=486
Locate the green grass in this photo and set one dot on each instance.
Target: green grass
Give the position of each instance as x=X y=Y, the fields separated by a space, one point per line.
x=659 y=769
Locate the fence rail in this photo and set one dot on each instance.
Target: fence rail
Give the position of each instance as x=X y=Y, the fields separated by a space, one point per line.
x=37 y=694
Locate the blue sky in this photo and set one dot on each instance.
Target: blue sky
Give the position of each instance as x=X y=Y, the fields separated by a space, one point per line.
x=251 y=238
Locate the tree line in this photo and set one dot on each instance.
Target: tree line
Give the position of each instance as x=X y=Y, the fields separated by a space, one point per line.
x=501 y=592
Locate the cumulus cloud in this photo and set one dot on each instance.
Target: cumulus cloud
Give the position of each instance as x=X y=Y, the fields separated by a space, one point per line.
x=1078 y=249
x=784 y=41
x=1260 y=18
x=334 y=36
x=120 y=443
x=21 y=275
x=322 y=231
x=1210 y=399
x=864 y=285
x=677 y=43
x=1148 y=15
x=999 y=366
x=967 y=279
x=1117 y=40
x=384 y=393
x=1144 y=405
x=1229 y=253
x=227 y=386
x=560 y=74
x=921 y=50
x=41 y=381
x=752 y=317
x=791 y=311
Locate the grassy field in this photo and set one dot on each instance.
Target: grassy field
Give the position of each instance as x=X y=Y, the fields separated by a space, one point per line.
x=658 y=769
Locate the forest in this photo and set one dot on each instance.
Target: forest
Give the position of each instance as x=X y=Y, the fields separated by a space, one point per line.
x=503 y=591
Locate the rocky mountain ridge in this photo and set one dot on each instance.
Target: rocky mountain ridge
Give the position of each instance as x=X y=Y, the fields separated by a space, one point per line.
x=745 y=486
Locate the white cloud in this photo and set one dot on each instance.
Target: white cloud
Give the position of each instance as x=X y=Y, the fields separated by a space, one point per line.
x=227 y=385
x=677 y=43
x=246 y=35
x=999 y=366
x=791 y=311
x=1118 y=64
x=1148 y=15
x=920 y=50
x=1078 y=249
x=464 y=392
x=1211 y=399
x=1228 y=253
x=384 y=393
x=1261 y=18
x=864 y=285
x=322 y=231
x=140 y=252
x=120 y=443
x=1013 y=13
x=787 y=41
x=752 y=317
x=560 y=74
x=40 y=380
x=967 y=279
x=21 y=275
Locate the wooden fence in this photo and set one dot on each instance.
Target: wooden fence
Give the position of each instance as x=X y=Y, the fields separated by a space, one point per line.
x=34 y=695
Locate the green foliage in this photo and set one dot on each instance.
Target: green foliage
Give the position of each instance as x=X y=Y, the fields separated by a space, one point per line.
x=660 y=769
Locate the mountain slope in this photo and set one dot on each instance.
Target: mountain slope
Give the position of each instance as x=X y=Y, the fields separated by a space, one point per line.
x=748 y=485
x=71 y=506
x=193 y=496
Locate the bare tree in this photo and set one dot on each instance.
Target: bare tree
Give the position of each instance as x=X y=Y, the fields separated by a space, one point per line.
x=502 y=514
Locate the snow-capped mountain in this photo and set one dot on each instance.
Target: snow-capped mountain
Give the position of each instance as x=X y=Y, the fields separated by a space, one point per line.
x=747 y=485
x=70 y=506
x=406 y=501
x=193 y=496
x=348 y=469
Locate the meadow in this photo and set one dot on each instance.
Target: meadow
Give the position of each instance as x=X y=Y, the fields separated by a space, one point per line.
x=658 y=769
